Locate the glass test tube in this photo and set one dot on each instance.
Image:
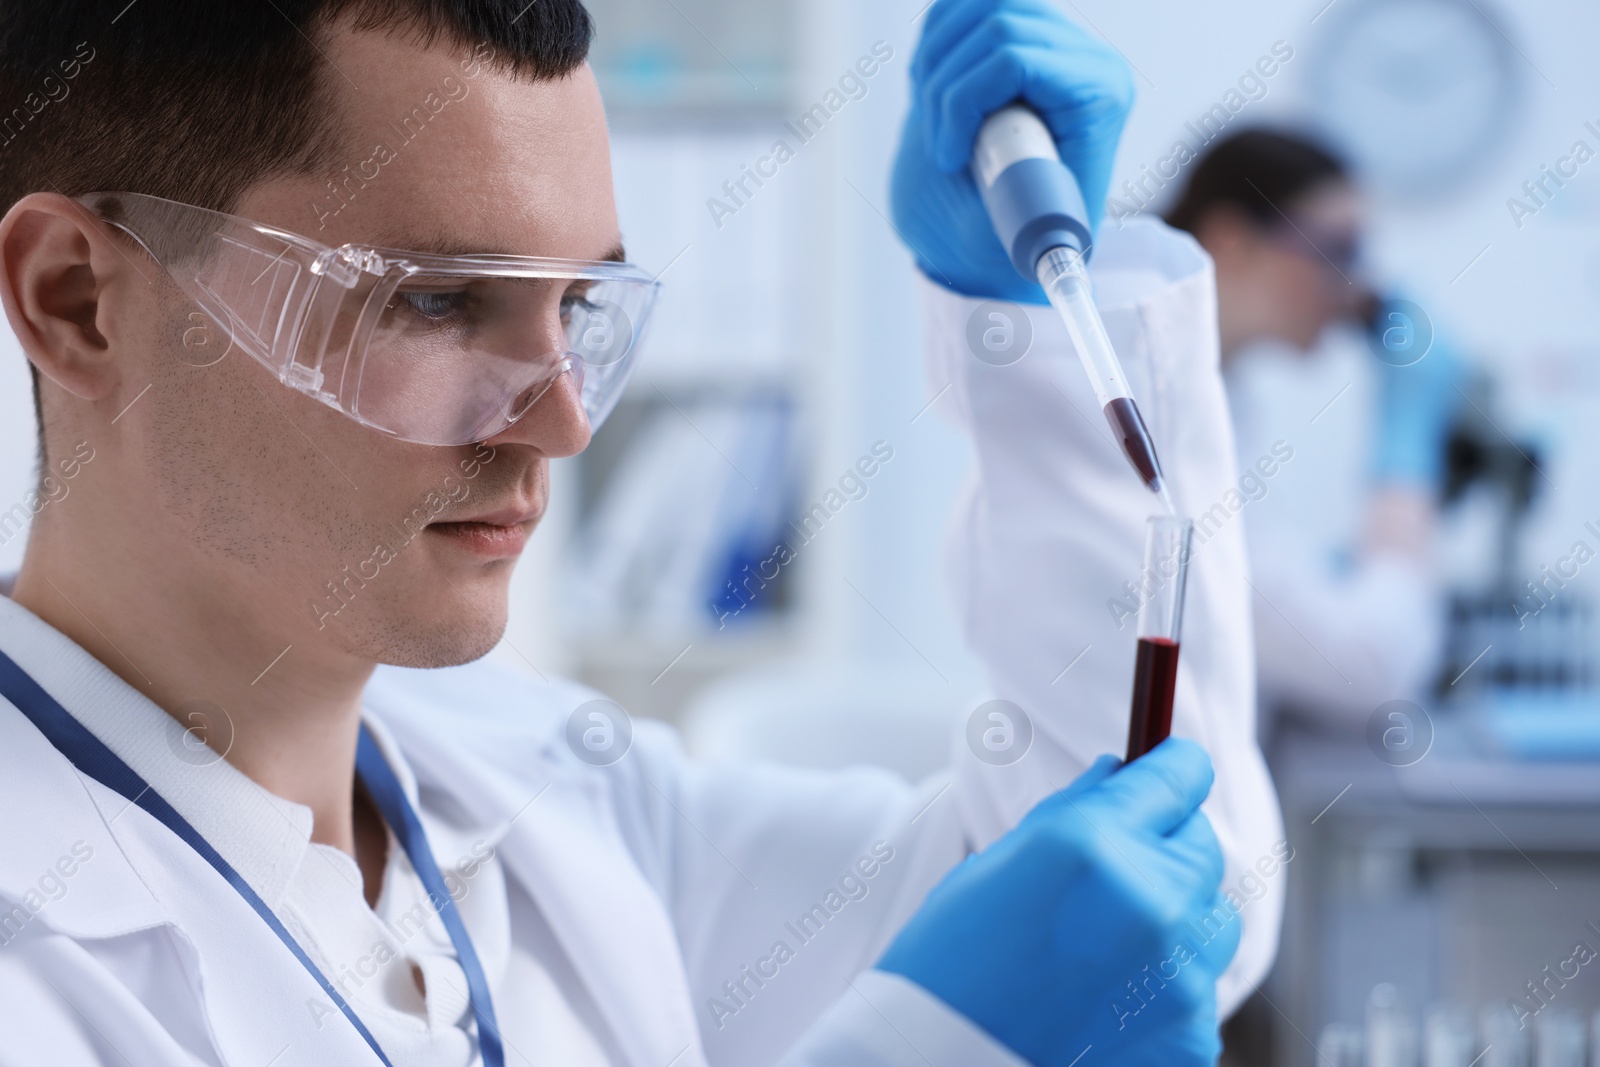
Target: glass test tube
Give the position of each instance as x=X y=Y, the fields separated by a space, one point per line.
x=1391 y=1032
x=1559 y=1039
x=1340 y=1046
x=1449 y=1038
x=1167 y=546
x=1504 y=1039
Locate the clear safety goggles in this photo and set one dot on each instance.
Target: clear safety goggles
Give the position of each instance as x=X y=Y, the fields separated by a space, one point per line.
x=436 y=349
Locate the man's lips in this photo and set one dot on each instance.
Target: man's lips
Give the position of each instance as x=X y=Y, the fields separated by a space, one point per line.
x=495 y=534
x=509 y=516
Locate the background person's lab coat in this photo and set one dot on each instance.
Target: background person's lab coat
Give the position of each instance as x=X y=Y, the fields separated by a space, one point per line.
x=1339 y=630
x=665 y=880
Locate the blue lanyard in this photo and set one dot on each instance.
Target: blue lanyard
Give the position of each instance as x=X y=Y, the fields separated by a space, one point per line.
x=90 y=756
x=387 y=794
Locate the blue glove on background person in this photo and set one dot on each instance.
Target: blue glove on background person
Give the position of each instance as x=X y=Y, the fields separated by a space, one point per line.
x=1095 y=923
x=975 y=57
x=1418 y=397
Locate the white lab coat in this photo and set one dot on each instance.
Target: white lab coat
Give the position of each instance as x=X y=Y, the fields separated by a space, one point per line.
x=665 y=880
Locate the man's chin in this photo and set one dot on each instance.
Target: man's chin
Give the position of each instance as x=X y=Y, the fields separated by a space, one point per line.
x=463 y=629
x=442 y=653
x=441 y=648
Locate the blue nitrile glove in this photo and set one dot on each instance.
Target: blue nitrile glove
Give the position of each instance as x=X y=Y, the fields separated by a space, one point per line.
x=975 y=57
x=1417 y=402
x=1095 y=923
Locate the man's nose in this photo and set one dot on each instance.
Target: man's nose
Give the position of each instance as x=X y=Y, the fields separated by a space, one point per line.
x=556 y=425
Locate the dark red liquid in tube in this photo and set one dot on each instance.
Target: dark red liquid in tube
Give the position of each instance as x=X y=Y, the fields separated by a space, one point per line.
x=1134 y=437
x=1155 y=679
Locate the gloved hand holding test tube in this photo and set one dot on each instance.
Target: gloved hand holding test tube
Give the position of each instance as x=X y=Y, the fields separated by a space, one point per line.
x=1038 y=211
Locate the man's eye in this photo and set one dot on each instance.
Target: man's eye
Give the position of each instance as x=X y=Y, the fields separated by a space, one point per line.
x=435 y=306
x=574 y=303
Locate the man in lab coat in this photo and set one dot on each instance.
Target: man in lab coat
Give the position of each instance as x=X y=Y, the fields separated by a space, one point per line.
x=223 y=841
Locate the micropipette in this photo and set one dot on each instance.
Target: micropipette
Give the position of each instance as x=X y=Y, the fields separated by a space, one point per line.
x=1038 y=211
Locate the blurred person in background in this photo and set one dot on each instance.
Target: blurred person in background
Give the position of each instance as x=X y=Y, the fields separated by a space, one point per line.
x=1347 y=608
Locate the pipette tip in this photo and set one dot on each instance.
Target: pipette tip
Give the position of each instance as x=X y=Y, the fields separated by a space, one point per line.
x=1128 y=424
x=1158 y=485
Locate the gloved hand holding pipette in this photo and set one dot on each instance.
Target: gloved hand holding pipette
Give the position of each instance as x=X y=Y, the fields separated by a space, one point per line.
x=1002 y=175
x=1078 y=85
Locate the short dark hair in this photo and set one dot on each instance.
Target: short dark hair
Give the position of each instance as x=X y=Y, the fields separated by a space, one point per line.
x=1257 y=171
x=197 y=100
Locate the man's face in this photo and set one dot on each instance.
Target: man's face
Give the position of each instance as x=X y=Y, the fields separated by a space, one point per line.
x=313 y=523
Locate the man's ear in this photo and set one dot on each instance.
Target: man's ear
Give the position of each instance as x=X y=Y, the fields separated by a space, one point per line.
x=60 y=272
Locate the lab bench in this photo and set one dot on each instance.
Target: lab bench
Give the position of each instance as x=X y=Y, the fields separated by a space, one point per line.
x=1456 y=879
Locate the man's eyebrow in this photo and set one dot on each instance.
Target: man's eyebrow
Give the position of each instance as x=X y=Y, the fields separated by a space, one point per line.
x=451 y=246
